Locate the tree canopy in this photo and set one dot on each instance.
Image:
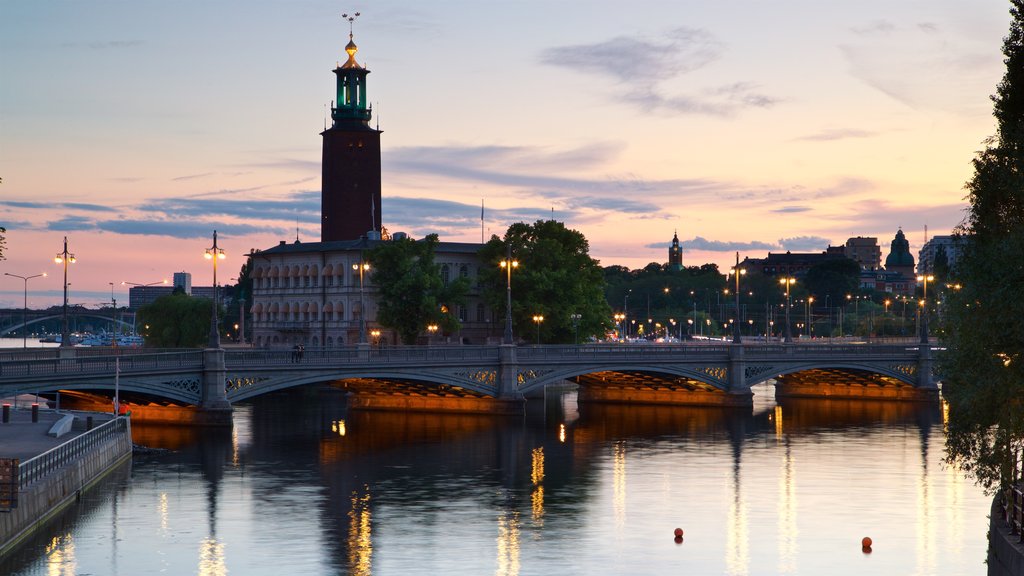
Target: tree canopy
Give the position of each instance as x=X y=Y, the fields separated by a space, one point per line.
x=411 y=291
x=556 y=278
x=834 y=278
x=3 y=242
x=983 y=366
x=176 y=321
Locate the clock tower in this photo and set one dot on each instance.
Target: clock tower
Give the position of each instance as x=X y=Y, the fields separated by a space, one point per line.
x=350 y=180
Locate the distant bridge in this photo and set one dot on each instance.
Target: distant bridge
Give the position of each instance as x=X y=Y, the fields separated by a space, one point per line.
x=433 y=377
x=19 y=324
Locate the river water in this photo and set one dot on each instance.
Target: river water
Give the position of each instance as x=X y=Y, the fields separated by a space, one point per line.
x=300 y=485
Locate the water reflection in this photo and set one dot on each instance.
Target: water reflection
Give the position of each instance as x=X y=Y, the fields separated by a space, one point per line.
x=390 y=493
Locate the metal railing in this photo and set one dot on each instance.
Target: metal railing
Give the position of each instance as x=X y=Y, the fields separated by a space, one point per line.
x=101 y=364
x=35 y=468
x=356 y=355
x=1013 y=510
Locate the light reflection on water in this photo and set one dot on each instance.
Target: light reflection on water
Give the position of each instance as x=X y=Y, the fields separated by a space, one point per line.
x=301 y=486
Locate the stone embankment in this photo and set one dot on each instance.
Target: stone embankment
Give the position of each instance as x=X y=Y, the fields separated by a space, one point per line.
x=53 y=473
x=1005 y=535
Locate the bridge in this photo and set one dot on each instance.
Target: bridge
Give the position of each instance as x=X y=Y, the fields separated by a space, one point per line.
x=484 y=378
x=40 y=317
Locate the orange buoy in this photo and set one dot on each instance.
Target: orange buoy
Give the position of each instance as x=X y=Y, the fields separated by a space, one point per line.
x=865 y=542
x=678 y=532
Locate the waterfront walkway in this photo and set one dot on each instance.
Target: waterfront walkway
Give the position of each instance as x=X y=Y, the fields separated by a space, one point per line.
x=23 y=439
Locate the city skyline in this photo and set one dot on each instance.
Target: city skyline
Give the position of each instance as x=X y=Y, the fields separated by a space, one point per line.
x=795 y=128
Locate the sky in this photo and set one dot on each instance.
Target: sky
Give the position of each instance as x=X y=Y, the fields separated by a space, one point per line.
x=137 y=128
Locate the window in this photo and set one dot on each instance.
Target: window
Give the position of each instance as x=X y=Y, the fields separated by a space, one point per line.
x=445 y=274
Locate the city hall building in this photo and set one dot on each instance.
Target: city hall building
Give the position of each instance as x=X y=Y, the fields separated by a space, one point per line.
x=319 y=293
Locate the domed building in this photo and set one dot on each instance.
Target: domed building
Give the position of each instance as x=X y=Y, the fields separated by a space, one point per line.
x=900 y=259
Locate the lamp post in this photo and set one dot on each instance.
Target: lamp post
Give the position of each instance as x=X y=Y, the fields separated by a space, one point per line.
x=508 y=264
x=65 y=258
x=214 y=253
x=431 y=329
x=787 y=282
x=620 y=320
x=924 y=307
x=361 y=267
x=537 y=319
x=24 y=310
x=737 y=272
x=575 y=327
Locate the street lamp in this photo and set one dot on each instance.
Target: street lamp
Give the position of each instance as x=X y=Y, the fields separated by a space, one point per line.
x=508 y=264
x=24 y=311
x=619 y=320
x=361 y=267
x=576 y=327
x=537 y=319
x=432 y=329
x=214 y=253
x=65 y=258
x=787 y=282
x=737 y=272
x=924 y=307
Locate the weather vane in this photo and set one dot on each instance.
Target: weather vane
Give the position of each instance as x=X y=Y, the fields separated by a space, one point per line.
x=350 y=19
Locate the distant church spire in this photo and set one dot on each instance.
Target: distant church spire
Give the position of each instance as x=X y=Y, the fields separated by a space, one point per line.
x=675 y=254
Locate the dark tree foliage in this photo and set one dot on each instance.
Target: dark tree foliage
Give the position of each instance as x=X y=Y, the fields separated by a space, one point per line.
x=833 y=278
x=242 y=292
x=411 y=292
x=556 y=278
x=983 y=367
x=3 y=242
x=176 y=321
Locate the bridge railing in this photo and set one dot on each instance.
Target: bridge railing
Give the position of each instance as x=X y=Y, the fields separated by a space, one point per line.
x=1013 y=510
x=355 y=354
x=35 y=468
x=613 y=351
x=85 y=365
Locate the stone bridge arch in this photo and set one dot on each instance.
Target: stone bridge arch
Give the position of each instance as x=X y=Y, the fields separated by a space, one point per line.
x=533 y=381
x=242 y=386
x=758 y=372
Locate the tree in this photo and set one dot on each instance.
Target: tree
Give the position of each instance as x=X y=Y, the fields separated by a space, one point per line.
x=3 y=242
x=242 y=292
x=176 y=321
x=834 y=278
x=556 y=278
x=411 y=291
x=983 y=366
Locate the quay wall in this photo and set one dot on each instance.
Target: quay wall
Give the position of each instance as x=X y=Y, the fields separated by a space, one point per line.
x=44 y=498
x=1005 y=549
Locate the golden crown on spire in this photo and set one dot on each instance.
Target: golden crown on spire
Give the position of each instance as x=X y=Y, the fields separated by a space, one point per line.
x=351 y=47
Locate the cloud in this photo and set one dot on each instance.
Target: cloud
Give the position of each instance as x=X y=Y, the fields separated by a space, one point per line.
x=87 y=207
x=700 y=243
x=681 y=51
x=874 y=28
x=184 y=229
x=299 y=206
x=792 y=209
x=805 y=243
x=645 y=64
x=830 y=134
x=71 y=224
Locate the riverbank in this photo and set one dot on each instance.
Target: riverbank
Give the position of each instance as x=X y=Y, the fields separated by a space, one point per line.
x=55 y=476
x=1005 y=547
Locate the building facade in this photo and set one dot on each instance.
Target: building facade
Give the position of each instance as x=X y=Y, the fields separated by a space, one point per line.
x=926 y=256
x=865 y=251
x=313 y=294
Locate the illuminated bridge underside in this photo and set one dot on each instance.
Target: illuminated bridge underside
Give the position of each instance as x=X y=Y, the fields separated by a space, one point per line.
x=631 y=387
x=392 y=394
x=847 y=383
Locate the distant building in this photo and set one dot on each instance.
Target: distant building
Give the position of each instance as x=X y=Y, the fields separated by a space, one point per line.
x=900 y=259
x=926 y=256
x=790 y=263
x=865 y=251
x=183 y=280
x=675 y=254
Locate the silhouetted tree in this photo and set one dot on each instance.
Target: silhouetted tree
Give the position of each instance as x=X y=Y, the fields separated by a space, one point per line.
x=983 y=367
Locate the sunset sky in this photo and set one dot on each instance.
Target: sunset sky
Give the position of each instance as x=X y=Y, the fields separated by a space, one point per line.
x=137 y=128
